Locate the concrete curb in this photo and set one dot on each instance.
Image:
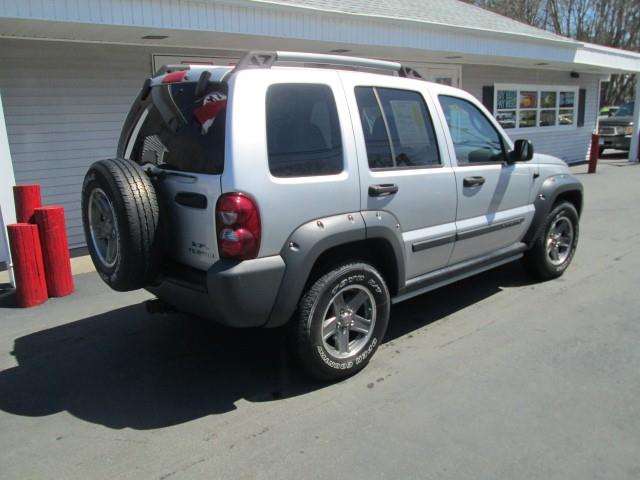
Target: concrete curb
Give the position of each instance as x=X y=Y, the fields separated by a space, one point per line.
x=82 y=264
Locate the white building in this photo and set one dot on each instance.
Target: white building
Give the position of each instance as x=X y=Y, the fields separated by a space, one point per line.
x=70 y=70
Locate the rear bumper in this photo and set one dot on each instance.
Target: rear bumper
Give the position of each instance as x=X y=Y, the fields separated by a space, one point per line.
x=237 y=294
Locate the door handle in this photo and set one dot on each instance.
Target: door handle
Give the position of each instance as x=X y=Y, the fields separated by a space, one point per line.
x=473 y=181
x=190 y=199
x=382 y=189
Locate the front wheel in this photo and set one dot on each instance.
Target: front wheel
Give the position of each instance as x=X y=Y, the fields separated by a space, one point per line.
x=552 y=252
x=341 y=321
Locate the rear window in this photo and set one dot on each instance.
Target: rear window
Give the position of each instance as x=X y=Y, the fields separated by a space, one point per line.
x=183 y=132
x=303 y=131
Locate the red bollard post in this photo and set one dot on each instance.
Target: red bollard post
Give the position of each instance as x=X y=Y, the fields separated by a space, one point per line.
x=594 y=153
x=55 y=250
x=28 y=268
x=27 y=198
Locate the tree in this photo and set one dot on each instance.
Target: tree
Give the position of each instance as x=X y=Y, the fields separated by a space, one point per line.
x=612 y=23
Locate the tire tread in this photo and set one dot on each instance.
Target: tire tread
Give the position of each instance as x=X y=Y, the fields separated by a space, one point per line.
x=140 y=214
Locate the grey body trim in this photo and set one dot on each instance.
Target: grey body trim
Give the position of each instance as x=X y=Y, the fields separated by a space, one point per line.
x=237 y=294
x=444 y=276
x=546 y=197
x=436 y=242
x=312 y=239
x=489 y=228
x=384 y=225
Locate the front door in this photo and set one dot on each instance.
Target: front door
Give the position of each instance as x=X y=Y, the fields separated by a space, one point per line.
x=494 y=210
x=405 y=170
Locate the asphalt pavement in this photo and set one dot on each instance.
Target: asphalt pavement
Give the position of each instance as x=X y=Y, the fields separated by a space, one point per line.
x=495 y=377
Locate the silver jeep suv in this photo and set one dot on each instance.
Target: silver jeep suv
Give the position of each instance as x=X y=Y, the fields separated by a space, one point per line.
x=317 y=190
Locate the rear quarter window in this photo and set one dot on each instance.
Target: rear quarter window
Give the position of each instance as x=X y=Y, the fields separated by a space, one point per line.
x=303 y=131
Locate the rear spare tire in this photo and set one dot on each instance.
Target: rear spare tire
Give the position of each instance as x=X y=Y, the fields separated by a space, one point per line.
x=120 y=214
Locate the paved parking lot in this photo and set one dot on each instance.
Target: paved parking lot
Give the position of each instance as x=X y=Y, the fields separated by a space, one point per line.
x=493 y=377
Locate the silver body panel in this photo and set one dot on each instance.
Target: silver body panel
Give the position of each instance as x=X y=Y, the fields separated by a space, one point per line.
x=432 y=207
x=425 y=204
x=284 y=203
x=193 y=236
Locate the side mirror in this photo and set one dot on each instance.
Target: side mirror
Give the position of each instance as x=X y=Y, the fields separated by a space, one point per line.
x=522 y=151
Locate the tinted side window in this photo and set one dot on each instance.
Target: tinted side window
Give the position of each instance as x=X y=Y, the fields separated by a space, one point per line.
x=403 y=136
x=376 y=137
x=303 y=131
x=475 y=139
x=183 y=132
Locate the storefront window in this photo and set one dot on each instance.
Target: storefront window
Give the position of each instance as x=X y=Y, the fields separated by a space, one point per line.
x=522 y=106
x=527 y=119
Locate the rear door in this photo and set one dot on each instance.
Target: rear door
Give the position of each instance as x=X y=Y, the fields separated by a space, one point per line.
x=494 y=210
x=180 y=136
x=403 y=168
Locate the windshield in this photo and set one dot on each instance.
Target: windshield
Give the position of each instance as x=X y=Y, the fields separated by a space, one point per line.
x=625 y=111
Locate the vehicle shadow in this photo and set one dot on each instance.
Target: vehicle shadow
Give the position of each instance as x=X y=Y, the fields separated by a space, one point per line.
x=127 y=369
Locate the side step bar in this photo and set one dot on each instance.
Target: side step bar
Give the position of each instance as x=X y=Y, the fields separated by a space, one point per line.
x=439 y=278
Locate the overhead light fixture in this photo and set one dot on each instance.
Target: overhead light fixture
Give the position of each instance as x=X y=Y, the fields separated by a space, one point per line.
x=542 y=64
x=339 y=50
x=453 y=57
x=155 y=37
x=574 y=75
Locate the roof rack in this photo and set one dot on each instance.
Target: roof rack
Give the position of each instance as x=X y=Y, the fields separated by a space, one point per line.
x=266 y=59
x=171 y=68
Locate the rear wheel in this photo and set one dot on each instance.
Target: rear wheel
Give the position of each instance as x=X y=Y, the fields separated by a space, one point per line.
x=120 y=214
x=552 y=252
x=341 y=321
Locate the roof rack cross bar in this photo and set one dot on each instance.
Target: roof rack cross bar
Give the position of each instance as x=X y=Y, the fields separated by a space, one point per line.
x=408 y=72
x=266 y=59
x=170 y=69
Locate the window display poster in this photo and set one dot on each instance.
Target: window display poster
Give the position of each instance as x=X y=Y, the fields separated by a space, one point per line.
x=507 y=99
x=548 y=99
x=528 y=99
x=567 y=99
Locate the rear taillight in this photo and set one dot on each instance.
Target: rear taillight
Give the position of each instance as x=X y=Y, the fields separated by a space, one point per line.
x=238 y=226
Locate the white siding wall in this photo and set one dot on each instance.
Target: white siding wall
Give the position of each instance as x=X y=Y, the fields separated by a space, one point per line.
x=64 y=105
x=570 y=145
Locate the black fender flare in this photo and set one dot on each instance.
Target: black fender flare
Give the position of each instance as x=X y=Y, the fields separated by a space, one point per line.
x=309 y=241
x=547 y=195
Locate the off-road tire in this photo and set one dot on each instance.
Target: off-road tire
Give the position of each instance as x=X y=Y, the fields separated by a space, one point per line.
x=315 y=358
x=134 y=201
x=536 y=260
